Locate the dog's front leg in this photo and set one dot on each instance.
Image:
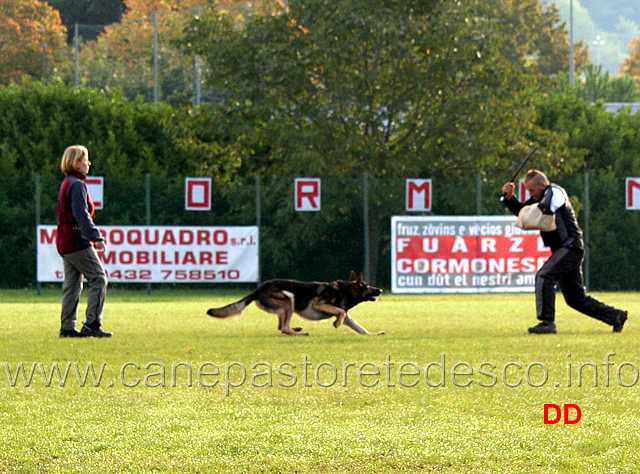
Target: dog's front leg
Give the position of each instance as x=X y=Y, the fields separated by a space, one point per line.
x=340 y=319
x=349 y=322
x=323 y=308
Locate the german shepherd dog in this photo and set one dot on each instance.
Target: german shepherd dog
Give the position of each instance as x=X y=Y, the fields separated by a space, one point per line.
x=311 y=300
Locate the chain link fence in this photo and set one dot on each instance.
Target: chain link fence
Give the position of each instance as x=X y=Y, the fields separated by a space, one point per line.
x=350 y=232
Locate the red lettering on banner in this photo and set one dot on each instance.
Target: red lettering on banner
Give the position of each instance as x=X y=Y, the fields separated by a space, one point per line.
x=220 y=237
x=189 y=257
x=154 y=236
x=186 y=237
x=456 y=254
x=153 y=254
x=116 y=237
x=108 y=257
x=469 y=254
x=147 y=238
x=204 y=237
x=134 y=237
x=448 y=246
x=206 y=258
x=48 y=237
x=142 y=258
x=126 y=257
x=168 y=238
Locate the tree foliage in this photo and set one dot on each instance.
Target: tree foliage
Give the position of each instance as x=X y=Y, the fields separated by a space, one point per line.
x=631 y=65
x=123 y=55
x=30 y=30
x=537 y=36
x=597 y=84
x=611 y=147
x=398 y=88
x=347 y=86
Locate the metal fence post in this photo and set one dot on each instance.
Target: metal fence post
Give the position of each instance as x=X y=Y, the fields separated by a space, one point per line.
x=258 y=221
x=38 y=212
x=478 y=194
x=147 y=199
x=197 y=72
x=156 y=95
x=76 y=52
x=44 y=62
x=365 y=206
x=587 y=230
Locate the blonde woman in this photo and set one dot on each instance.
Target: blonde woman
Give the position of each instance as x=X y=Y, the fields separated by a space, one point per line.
x=78 y=240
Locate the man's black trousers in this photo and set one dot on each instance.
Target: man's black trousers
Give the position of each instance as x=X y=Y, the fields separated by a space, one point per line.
x=564 y=268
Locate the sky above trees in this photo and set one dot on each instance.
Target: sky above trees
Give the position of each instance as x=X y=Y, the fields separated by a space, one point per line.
x=607 y=27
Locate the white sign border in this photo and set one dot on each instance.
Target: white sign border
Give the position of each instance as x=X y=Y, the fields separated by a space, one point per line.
x=448 y=290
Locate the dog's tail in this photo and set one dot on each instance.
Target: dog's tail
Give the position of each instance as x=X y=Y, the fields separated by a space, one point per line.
x=233 y=309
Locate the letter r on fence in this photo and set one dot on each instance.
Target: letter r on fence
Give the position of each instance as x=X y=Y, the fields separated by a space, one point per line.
x=307 y=192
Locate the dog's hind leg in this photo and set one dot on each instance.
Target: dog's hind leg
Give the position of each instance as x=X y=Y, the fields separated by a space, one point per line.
x=281 y=303
x=284 y=317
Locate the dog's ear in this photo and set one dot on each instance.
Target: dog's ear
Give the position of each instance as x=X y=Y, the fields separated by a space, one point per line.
x=352 y=276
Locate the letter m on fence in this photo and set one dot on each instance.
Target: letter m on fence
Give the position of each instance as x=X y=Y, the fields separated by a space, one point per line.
x=632 y=194
x=418 y=195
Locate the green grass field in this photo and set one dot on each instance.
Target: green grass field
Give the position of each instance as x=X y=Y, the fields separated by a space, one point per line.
x=333 y=401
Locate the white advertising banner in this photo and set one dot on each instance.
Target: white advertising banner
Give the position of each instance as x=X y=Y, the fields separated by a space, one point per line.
x=463 y=254
x=162 y=254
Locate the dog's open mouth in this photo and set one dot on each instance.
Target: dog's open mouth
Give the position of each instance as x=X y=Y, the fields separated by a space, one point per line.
x=374 y=296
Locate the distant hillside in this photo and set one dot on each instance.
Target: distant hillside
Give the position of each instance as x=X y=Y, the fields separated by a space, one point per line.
x=614 y=22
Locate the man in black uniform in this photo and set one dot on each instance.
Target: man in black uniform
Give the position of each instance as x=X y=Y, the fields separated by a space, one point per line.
x=564 y=267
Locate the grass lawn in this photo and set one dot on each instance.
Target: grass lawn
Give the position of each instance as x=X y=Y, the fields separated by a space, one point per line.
x=455 y=384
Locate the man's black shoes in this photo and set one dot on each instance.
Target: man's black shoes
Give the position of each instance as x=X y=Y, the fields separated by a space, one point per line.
x=88 y=331
x=621 y=318
x=70 y=333
x=545 y=327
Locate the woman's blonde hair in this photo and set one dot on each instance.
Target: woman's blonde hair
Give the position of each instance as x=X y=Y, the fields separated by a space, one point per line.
x=71 y=156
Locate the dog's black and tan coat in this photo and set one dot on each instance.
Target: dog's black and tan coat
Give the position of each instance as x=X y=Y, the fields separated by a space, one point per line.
x=311 y=300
